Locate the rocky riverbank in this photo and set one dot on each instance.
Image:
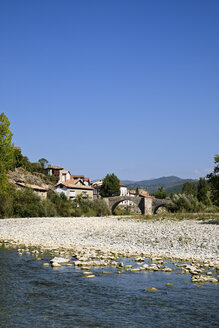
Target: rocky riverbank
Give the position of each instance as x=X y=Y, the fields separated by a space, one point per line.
x=183 y=240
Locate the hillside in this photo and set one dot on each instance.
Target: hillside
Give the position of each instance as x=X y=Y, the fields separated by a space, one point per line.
x=170 y=184
x=19 y=175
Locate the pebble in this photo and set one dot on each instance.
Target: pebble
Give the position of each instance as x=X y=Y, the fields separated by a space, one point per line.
x=55 y=265
x=151 y=289
x=91 y=276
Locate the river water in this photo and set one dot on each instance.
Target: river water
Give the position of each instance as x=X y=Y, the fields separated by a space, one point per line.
x=32 y=295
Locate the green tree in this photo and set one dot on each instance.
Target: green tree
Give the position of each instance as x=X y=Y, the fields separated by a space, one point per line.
x=43 y=162
x=18 y=158
x=110 y=186
x=6 y=149
x=213 y=180
x=189 y=188
x=203 y=192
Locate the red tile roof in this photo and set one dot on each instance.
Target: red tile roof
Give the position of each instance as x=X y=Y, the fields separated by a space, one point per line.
x=76 y=176
x=55 y=167
x=35 y=187
x=145 y=195
x=72 y=184
x=123 y=185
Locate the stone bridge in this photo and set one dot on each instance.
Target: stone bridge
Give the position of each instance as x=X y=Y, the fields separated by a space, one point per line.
x=147 y=205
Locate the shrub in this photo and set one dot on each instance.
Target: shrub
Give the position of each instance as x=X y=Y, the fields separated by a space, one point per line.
x=6 y=204
x=189 y=204
x=101 y=207
x=27 y=204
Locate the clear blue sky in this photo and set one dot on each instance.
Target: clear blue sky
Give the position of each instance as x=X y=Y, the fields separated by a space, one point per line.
x=123 y=86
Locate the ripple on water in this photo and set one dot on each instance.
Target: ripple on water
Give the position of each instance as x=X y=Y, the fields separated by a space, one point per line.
x=37 y=296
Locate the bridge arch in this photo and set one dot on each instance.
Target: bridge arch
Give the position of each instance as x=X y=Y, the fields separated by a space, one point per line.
x=136 y=200
x=112 y=202
x=157 y=203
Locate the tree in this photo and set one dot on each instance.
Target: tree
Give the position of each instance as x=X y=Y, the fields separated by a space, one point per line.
x=6 y=149
x=110 y=186
x=213 y=180
x=18 y=158
x=43 y=162
x=203 y=191
x=189 y=188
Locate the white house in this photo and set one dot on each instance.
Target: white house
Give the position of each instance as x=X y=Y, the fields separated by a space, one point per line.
x=124 y=192
x=72 y=189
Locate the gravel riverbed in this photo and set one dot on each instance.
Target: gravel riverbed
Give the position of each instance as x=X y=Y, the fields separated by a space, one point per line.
x=188 y=239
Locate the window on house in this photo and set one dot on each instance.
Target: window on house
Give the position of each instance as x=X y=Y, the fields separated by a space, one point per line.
x=72 y=193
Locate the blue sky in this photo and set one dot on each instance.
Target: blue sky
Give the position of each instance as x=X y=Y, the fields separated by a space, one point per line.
x=123 y=86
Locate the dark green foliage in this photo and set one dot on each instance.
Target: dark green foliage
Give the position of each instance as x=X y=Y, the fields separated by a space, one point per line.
x=18 y=159
x=43 y=162
x=6 y=146
x=160 y=194
x=22 y=161
x=49 y=208
x=213 y=180
x=6 y=203
x=189 y=204
x=62 y=206
x=6 y=150
x=203 y=192
x=100 y=207
x=27 y=204
x=87 y=207
x=110 y=186
x=189 y=188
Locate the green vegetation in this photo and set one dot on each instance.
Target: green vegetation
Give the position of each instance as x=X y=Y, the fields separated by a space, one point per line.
x=213 y=180
x=6 y=151
x=160 y=194
x=25 y=203
x=110 y=186
x=189 y=204
x=190 y=189
x=87 y=207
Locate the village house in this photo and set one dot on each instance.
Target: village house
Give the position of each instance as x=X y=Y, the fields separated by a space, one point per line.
x=64 y=175
x=85 y=180
x=96 y=185
x=40 y=191
x=73 y=188
x=124 y=192
x=55 y=171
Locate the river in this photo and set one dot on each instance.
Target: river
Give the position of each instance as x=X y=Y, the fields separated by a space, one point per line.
x=32 y=295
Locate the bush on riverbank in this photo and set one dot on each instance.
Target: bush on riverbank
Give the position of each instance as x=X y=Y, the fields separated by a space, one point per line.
x=25 y=203
x=190 y=204
x=87 y=207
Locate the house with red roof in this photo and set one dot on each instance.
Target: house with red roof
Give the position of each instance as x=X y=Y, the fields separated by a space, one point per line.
x=73 y=188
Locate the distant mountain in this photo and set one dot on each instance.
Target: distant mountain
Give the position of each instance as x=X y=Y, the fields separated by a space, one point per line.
x=127 y=182
x=170 y=184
